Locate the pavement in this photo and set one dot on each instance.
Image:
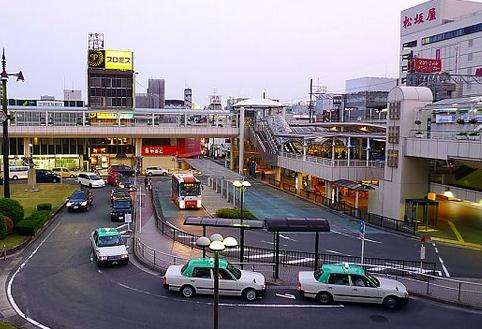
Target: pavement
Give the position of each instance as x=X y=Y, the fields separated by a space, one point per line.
x=58 y=286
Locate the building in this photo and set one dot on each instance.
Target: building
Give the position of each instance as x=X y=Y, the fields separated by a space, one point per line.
x=188 y=98
x=442 y=36
x=155 y=96
x=72 y=95
x=366 y=98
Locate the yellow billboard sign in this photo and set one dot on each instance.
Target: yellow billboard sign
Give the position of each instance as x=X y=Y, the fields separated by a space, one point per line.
x=119 y=60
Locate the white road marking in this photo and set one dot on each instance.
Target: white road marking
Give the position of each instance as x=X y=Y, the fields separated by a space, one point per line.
x=287 y=238
x=289 y=296
x=9 y=286
x=355 y=237
x=283 y=305
x=337 y=252
x=444 y=268
x=260 y=256
x=436 y=250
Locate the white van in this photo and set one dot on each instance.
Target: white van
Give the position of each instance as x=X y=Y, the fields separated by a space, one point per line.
x=90 y=180
x=18 y=172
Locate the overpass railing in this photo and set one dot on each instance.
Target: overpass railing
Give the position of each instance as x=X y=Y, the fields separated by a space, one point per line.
x=336 y=162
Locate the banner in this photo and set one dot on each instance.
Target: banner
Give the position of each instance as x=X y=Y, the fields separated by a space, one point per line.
x=118 y=60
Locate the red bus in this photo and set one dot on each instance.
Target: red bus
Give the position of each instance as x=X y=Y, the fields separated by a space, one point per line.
x=186 y=191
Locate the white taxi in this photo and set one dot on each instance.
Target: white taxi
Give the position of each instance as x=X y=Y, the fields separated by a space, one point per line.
x=108 y=247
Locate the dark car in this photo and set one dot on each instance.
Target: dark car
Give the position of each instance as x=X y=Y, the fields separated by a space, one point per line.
x=120 y=194
x=119 y=210
x=122 y=169
x=80 y=200
x=46 y=176
x=125 y=183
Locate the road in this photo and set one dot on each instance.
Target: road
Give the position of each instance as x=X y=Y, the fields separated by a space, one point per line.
x=60 y=287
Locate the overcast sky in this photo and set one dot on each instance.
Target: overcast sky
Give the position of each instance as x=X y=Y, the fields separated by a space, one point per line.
x=235 y=47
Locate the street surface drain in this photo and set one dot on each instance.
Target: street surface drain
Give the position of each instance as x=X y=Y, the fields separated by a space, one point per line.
x=378 y=318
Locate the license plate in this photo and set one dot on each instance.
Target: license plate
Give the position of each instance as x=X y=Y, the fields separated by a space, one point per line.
x=76 y=207
x=121 y=217
x=114 y=262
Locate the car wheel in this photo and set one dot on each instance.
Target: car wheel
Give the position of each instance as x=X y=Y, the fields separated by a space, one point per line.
x=149 y=174
x=164 y=173
x=391 y=302
x=72 y=176
x=90 y=185
x=324 y=298
x=15 y=177
x=187 y=291
x=249 y=294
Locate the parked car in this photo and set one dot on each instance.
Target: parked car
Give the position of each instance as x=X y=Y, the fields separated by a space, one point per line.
x=120 y=194
x=125 y=182
x=350 y=283
x=18 y=172
x=112 y=178
x=124 y=170
x=156 y=171
x=64 y=172
x=46 y=176
x=90 y=180
x=80 y=200
x=108 y=247
x=120 y=208
x=196 y=277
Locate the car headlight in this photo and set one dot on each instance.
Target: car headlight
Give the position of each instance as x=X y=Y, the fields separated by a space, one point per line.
x=84 y=203
x=103 y=258
x=125 y=256
x=69 y=204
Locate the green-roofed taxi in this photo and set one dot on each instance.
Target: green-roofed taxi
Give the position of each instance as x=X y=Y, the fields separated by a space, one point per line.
x=196 y=277
x=350 y=283
x=108 y=247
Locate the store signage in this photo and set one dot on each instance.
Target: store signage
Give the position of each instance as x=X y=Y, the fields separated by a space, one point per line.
x=111 y=115
x=421 y=17
x=51 y=103
x=215 y=99
x=425 y=65
x=158 y=150
x=444 y=118
x=96 y=59
x=118 y=60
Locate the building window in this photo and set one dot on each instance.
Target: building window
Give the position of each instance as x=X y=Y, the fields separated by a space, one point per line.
x=470 y=57
x=471 y=42
x=394 y=111
x=394 y=134
x=410 y=44
x=392 y=158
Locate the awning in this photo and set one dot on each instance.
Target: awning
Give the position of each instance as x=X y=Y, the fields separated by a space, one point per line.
x=352 y=185
x=297 y=224
x=224 y=222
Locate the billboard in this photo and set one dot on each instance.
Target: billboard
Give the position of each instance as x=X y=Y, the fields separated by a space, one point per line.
x=111 y=59
x=421 y=17
x=425 y=65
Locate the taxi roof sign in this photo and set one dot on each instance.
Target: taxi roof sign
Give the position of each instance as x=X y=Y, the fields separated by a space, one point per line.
x=107 y=231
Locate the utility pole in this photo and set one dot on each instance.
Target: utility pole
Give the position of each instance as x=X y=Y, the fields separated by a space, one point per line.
x=310 y=106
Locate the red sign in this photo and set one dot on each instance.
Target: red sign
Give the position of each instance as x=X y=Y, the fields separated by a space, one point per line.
x=158 y=150
x=419 y=18
x=425 y=65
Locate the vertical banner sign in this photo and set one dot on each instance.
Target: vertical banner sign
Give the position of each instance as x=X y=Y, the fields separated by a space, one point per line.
x=362 y=237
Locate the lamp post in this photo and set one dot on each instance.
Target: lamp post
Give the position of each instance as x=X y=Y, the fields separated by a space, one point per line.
x=4 y=116
x=216 y=243
x=241 y=186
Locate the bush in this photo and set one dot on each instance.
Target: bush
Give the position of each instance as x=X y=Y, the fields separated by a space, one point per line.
x=3 y=230
x=31 y=224
x=8 y=223
x=12 y=209
x=44 y=206
x=234 y=213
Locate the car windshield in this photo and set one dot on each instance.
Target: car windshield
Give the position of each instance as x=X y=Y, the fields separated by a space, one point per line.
x=372 y=279
x=122 y=204
x=110 y=241
x=94 y=177
x=234 y=271
x=191 y=189
x=78 y=196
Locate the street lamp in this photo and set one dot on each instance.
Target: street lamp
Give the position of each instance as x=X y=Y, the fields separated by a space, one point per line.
x=4 y=116
x=216 y=243
x=241 y=186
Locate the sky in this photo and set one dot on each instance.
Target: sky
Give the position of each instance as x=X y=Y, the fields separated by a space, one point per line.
x=234 y=48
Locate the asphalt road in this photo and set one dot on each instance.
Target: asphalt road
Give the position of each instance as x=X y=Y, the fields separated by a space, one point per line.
x=60 y=287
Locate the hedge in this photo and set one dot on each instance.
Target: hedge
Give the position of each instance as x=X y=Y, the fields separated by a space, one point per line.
x=234 y=213
x=44 y=206
x=31 y=224
x=12 y=208
x=3 y=229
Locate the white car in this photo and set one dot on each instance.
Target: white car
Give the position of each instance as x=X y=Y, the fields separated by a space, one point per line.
x=108 y=247
x=196 y=277
x=350 y=283
x=90 y=180
x=156 y=171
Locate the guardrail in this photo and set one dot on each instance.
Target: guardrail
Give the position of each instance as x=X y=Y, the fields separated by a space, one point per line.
x=336 y=162
x=286 y=257
x=468 y=134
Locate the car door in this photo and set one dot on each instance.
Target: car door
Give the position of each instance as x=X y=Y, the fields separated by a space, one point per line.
x=228 y=285
x=339 y=286
x=364 y=290
x=202 y=280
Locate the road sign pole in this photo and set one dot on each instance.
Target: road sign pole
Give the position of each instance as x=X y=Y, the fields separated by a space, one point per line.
x=362 y=234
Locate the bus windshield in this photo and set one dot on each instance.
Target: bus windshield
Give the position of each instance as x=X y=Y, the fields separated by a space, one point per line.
x=189 y=189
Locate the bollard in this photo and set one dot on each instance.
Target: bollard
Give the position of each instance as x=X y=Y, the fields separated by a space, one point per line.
x=458 y=294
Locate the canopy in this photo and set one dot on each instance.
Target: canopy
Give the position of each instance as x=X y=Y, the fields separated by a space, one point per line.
x=297 y=224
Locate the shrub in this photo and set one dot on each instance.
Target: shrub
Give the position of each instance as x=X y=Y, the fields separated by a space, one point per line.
x=234 y=213
x=44 y=206
x=12 y=209
x=8 y=223
x=31 y=224
x=3 y=229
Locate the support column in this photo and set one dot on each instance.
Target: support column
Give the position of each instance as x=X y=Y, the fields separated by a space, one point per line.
x=328 y=190
x=333 y=151
x=356 y=199
x=26 y=147
x=368 y=151
x=299 y=182
x=138 y=147
x=231 y=162
x=277 y=174
x=304 y=150
x=348 y=147
x=241 y=141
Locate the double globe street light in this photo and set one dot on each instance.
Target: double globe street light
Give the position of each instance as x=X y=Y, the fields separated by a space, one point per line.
x=216 y=243
x=241 y=187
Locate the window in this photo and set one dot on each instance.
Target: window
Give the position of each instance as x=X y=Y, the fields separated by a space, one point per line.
x=470 y=56
x=339 y=279
x=394 y=134
x=361 y=281
x=394 y=111
x=471 y=42
x=410 y=44
x=224 y=275
x=392 y=158
x=201 y=272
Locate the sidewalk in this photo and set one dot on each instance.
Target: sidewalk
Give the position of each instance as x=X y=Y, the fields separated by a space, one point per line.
x=213 y=201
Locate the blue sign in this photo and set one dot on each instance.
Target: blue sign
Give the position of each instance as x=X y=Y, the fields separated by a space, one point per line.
x=362 y=227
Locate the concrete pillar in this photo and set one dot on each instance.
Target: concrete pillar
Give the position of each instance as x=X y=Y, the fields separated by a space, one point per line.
x=329 y=190
x=333 y=151
x=231 y=162
x=356 y=199
x=360 y=148
x=304 y=150
x=368 y=151
x=299 y=182
x=138 y=147
x=26 y=147
x=277 y=174
x=348 y=150
x=241 y=141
